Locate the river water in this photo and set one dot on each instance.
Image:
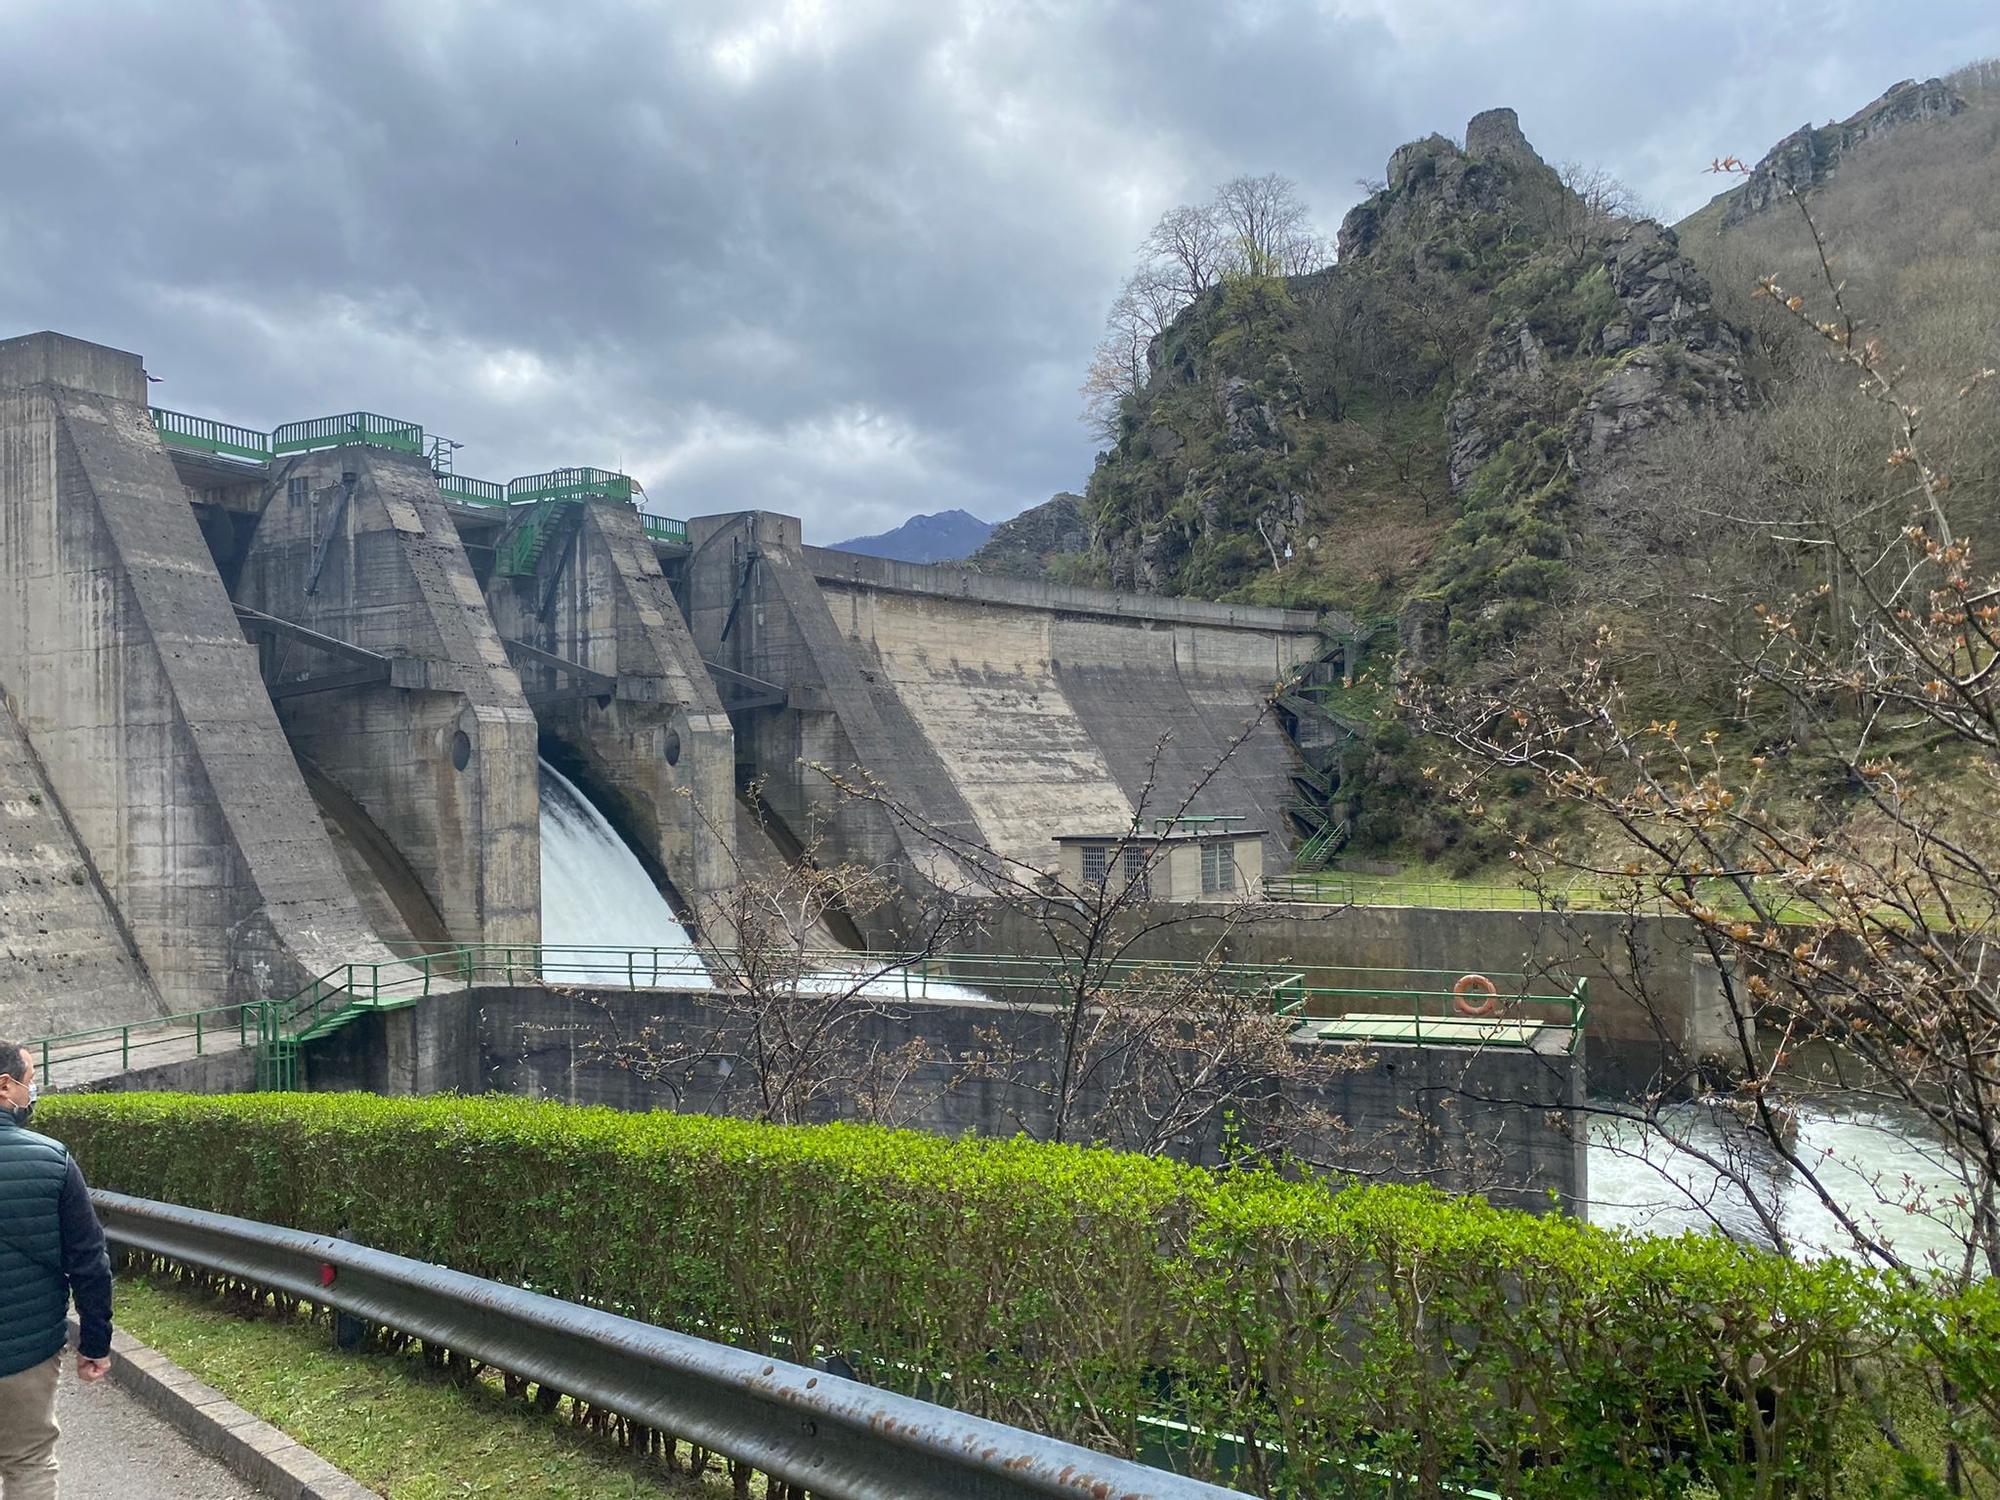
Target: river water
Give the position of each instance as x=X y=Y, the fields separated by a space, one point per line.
x=1880 y=1163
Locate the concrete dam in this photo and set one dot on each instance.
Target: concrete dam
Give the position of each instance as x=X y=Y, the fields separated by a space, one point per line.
x=276 y=702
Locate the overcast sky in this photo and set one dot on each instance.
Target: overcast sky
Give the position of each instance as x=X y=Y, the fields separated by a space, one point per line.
x=840 y=258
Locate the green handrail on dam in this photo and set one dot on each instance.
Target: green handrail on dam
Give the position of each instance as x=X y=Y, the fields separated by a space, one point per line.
x=206 y=435
x=469 y=491
x=363 y=427
x=1335 y=1003
x=210 y=436
x=574 y=484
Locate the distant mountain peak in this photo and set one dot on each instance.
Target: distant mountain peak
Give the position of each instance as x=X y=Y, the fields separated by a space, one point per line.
x=946 y=536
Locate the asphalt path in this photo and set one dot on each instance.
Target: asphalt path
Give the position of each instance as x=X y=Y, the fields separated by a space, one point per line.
x=112 y=1448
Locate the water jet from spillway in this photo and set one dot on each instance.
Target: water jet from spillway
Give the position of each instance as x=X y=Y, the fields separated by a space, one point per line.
x=596 y=895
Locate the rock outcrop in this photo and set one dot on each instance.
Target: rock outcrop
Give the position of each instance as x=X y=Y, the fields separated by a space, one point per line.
x=1432 y=183
x=1811 y=154
x=1024 y=546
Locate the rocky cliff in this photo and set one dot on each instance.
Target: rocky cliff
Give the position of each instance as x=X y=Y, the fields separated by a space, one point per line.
x=1044 y=535
x=1810 y=155
x=1437 y=407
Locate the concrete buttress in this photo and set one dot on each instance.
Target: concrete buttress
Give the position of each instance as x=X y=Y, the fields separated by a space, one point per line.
x=132 y=682
x=645 y=731
x=355 y=544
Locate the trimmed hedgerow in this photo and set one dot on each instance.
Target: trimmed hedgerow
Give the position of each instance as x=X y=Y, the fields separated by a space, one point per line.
x=1079 y=1291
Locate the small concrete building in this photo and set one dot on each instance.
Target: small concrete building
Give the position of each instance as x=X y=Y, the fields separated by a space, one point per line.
x=1179 y=859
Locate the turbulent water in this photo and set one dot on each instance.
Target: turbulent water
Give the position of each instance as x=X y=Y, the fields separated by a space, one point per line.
x=1873 y=1161
x=596 y=894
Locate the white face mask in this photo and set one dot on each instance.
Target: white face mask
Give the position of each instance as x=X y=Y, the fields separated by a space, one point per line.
x=22 y=1111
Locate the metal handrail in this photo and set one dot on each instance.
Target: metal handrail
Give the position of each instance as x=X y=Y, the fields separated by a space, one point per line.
x=364 y=427
x=210 y=436
x=574 y=484
x=469 y=491
x=345 y=990
x=126 y=1037
x=664 y=528
x=837 y=1437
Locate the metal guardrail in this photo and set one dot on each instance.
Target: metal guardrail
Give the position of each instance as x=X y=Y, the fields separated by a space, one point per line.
x=1312 y=993
x=220 y=1025
x=468 y=491
x=664 y=528
x=364 y=427
x=574 y=484
x=209 y=436
x=836 y=1437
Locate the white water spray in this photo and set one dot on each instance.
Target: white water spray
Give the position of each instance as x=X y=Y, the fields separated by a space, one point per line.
x=596 y=894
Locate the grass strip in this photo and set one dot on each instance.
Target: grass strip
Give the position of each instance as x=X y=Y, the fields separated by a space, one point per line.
x=398 y=1426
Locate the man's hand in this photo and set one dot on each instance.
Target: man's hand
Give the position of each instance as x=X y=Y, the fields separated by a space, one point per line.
x=89 y=1370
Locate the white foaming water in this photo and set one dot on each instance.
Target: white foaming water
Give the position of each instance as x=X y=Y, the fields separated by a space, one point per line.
x=1882 y=1165
x=596 y=894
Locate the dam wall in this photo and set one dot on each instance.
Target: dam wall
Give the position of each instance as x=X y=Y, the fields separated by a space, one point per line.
x=1069 y=710
x=992 y=711
x=638 y=722
x=130 y=679
x=354 y=545
x=66 y=962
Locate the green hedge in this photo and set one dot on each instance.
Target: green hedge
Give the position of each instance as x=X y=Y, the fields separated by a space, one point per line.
x=1072 y=1290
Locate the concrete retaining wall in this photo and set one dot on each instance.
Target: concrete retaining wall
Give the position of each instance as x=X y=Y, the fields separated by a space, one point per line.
x=132 y=681
x=392 y=578
x=1501 y=1122
x=1640 y=969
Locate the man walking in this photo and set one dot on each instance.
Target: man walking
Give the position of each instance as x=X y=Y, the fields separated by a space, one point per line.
x=51 y=1247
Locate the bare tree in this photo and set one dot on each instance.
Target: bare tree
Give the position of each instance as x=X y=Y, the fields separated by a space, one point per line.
x=1588 y=206
x=1190 y=248
x=1852 y=933
x=1253 y=226
x=1269 y=228
x=1113 y=1043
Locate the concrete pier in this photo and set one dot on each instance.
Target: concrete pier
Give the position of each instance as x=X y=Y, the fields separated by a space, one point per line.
x=129 y=677
x=634 y=715
x=354 y=545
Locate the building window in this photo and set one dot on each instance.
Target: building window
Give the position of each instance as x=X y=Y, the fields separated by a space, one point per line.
x=298 y=490
x=1135 y=872
x=1095 y=857
x=1218 y=869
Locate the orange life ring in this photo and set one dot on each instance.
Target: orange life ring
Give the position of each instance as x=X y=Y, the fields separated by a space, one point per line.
x=1476 y=984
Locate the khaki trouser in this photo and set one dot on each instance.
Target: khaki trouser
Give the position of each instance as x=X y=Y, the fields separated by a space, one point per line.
x=28 y=1432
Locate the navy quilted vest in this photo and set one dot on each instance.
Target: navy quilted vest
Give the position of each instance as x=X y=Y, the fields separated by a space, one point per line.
x=33 y=1289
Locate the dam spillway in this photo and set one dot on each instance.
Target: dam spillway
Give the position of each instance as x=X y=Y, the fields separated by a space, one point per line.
x=204 y=627
x=597 y=895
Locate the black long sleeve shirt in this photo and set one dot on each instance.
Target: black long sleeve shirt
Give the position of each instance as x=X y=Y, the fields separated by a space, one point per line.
x=86 y=1264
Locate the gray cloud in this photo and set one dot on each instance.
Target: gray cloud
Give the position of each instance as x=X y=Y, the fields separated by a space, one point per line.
x=845 y=259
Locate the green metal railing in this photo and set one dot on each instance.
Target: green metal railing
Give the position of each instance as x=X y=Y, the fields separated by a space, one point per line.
x=363 y=427
x=1515 y=1015
x=220 y=1025
x=209 y=436
x=664 y=529
x=574 y=484
x=1342 y=1003
x=1322 y=846
x=468 y=491
x=522 y=546
x=206 y=435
